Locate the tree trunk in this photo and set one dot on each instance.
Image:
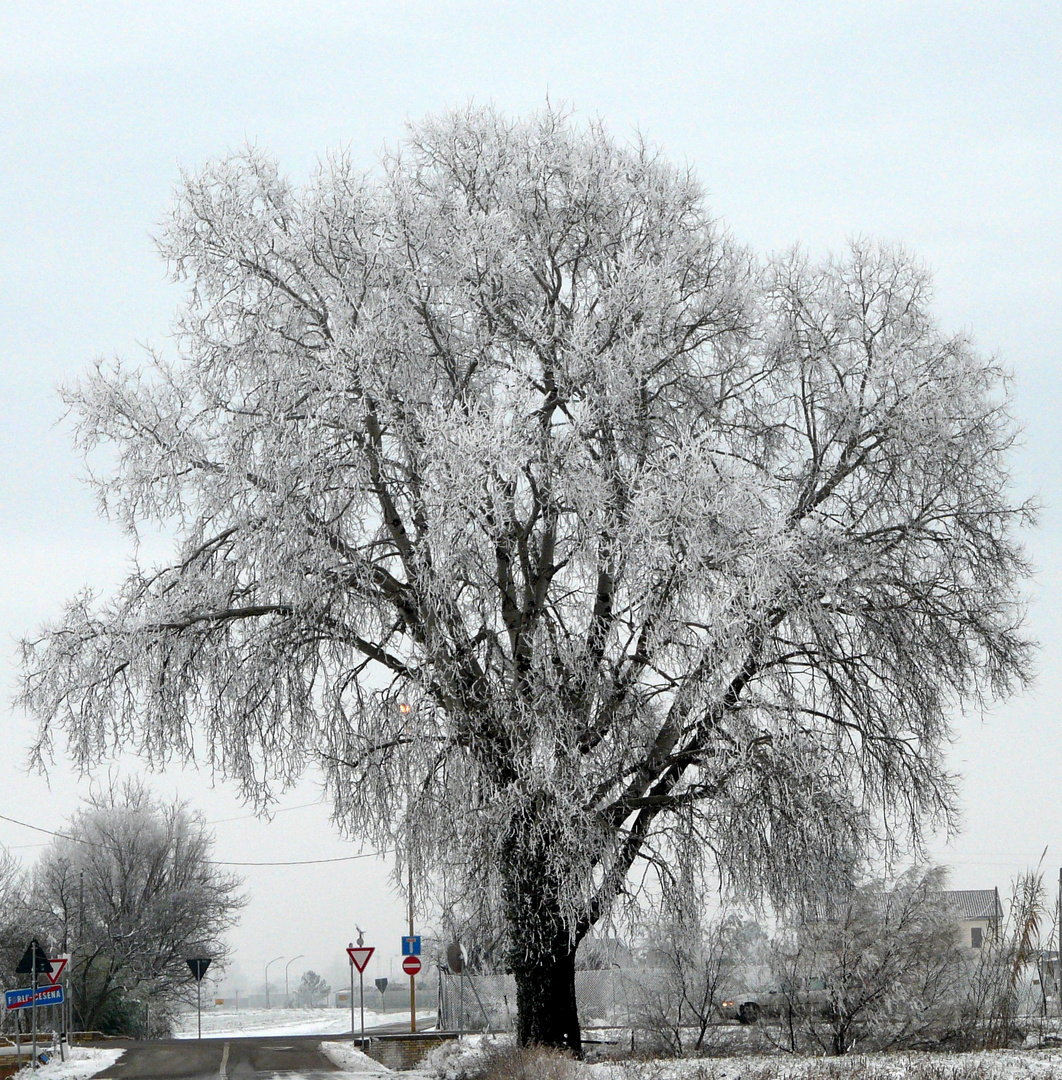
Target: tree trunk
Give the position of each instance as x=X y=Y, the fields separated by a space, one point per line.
x=545 y=998
x=542 y=948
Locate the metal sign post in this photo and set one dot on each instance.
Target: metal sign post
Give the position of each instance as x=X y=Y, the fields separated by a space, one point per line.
x=350 y=953
x=34 y=961
x=33 y=948
x=198 y=966
x=359 y=958
x=58 y=966
x=361 y=984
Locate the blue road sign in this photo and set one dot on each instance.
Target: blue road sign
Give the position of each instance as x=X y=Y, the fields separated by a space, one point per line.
x=411 y=945
x=23 y=999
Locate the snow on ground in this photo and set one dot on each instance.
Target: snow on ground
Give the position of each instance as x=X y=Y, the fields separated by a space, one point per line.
x=81 y=1062
x=992 y=1065
x=321 y=1021
x=457 y=1060
x=353 y=1062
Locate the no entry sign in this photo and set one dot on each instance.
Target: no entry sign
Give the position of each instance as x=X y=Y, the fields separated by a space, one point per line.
x=411 y=965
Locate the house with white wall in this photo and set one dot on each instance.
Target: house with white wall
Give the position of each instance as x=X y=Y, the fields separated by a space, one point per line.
x=978 y=914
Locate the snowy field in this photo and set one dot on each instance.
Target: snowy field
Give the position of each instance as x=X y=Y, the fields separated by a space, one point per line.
x=324 y=1021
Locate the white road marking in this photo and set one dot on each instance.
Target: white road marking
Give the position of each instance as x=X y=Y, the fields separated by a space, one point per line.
x=224 y=1062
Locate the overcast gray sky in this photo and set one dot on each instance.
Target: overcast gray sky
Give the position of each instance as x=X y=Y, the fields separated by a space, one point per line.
x=936 y=125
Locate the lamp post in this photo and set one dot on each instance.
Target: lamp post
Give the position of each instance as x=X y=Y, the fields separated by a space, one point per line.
x=268 y=966
x=287 y=1001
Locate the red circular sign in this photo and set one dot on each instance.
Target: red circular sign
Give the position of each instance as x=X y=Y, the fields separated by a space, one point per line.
x=411 y=965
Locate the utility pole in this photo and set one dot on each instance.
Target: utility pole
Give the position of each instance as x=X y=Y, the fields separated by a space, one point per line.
x=1058 y=941
x=80 y=939
x=412 y=978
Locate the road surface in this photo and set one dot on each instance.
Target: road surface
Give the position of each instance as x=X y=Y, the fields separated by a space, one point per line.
x=222 y=1059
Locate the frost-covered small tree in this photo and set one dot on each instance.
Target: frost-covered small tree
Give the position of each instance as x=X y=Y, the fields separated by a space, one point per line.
x=312 y=989
x=878 y=967
x=558 y=530
x=130 y=891
x=16 y=927
x=693 y=963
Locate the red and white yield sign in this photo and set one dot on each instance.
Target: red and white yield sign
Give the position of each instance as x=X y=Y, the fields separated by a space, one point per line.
x=57 y=968
x=360 y=957
x=411 y=965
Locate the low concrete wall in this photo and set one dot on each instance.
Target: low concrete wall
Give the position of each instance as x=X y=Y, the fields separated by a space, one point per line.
x=403 y=1052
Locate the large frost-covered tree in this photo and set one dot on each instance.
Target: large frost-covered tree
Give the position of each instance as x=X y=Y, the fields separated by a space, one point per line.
x=560 y=531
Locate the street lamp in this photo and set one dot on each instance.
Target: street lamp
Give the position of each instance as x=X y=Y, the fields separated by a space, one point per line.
x=287 y=1000
x=268 y=966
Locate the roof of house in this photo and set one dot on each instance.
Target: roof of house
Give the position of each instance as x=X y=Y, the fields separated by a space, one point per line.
x=974 y=903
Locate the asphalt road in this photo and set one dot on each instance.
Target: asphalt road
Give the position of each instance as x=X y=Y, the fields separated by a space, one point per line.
x=222 y=1059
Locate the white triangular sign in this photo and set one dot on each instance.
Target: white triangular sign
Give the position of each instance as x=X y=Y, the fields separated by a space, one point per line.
x=360 y=957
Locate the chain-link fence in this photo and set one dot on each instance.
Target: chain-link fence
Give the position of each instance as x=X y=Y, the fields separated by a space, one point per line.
x=605 y=998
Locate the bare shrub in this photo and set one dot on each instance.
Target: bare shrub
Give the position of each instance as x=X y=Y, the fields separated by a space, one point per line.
x=695 y=962
x=508 y=1062
x=879 y=969
x=991 y=1003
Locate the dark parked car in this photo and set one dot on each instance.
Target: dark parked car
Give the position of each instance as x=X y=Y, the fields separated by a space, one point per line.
x=748 y=1006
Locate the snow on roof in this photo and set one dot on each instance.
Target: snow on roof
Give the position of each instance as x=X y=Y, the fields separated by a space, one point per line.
x=974 y=903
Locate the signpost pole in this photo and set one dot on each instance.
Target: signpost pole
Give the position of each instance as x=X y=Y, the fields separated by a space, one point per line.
x=62 y=1016
x=198 y=966
x=351 y=955
x=359 y=958
x=33 y=1006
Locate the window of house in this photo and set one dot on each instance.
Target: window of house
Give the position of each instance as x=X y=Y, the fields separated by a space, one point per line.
x=975 y=937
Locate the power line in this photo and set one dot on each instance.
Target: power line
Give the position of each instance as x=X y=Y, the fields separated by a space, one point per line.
x=49 y=832
x=303 y=862
x=282 y=810
x=216 y=862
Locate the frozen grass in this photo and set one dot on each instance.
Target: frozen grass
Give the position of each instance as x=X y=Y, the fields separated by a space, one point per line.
x=485 y=1058
x=996 y=1065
